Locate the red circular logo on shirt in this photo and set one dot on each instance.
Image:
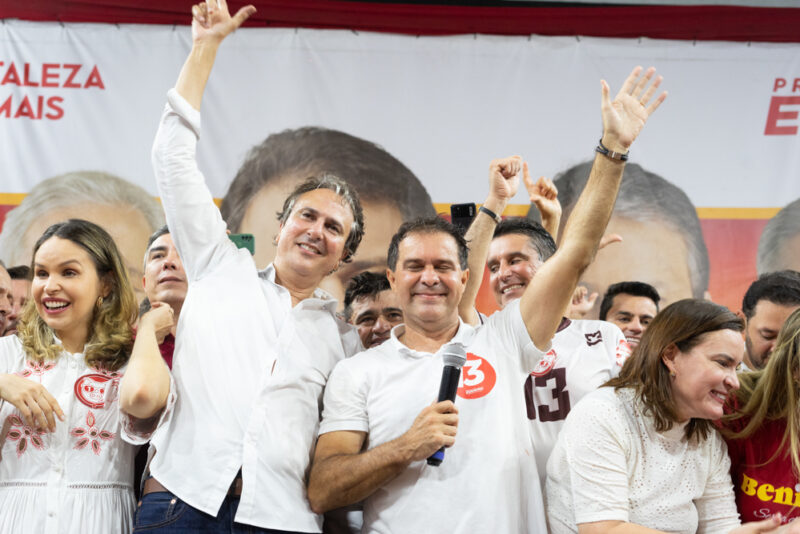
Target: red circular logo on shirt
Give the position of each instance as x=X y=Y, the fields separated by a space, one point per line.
x=477 y=378
x=623 y=351
x=91 y=390
x=546 y=364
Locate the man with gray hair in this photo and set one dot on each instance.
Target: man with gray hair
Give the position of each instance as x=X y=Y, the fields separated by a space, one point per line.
x=779 y=245
x=124 y=210
x=662 y=240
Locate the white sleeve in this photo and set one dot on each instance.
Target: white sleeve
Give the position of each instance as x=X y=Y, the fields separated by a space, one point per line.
x=193 y=219
x=716 y=508
x=345 y=401
x=139 y=431
x=511 y=330
x=596 y=456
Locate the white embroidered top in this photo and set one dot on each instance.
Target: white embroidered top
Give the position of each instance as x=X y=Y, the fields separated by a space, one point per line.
x=79 y=478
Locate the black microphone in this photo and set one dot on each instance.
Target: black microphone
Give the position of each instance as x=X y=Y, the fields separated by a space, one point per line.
x=454 y=358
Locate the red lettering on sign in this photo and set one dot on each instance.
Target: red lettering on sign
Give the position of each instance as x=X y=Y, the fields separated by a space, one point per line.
x=47 y=75
x=52 y=103
x=70 y=84
x=5 y=109
x=94 y=79
x=775 y=114
x=25 y=109
x=796 y=86
x=26 y=77
x=11 y=76
x=779 y=82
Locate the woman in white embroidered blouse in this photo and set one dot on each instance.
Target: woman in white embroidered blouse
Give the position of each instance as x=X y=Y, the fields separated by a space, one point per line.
x=640 y=454
x=66 y=448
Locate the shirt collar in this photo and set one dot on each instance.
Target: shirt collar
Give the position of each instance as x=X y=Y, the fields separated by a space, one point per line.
x=320 y=299
x=463 y=336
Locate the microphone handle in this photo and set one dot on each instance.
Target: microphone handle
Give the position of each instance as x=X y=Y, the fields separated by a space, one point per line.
x=447 y=391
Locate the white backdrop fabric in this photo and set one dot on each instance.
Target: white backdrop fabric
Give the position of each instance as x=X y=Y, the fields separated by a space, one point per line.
x=445 y=106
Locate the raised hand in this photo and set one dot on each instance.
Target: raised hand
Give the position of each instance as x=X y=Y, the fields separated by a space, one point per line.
x=36 y=405
x=211 y=20
x=624 y=117
x=544 y=195
x=504 y=178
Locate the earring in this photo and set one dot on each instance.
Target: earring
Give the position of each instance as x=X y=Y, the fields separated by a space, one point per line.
x=672 y=374
x=99 y=301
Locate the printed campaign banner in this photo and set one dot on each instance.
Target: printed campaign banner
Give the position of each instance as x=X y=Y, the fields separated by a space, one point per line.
x=414 y=122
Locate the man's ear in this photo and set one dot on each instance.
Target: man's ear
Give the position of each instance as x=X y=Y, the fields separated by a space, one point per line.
x=465 y=276
x=390 y=277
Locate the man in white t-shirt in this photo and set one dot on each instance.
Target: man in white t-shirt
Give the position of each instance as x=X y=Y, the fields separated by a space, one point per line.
x=379 y=424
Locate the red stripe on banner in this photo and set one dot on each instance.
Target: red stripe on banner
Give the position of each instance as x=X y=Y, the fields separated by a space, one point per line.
x=727 y=23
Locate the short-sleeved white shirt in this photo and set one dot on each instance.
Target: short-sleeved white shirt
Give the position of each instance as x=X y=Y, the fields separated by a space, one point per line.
x=610 y=464
x=79 y=478
x=488 y=480
x=584 y=355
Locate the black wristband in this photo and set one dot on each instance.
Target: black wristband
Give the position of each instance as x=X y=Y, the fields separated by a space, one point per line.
x=618 y=156
x=491 y=214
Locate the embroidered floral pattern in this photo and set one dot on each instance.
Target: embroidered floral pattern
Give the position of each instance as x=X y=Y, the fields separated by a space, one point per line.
x=36 y=368
x=90 y=435
x=23 y=434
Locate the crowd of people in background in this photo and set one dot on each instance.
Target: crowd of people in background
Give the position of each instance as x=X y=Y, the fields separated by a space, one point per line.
x=183 y=383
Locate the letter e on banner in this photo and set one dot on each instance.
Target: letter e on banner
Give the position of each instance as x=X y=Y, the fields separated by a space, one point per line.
x=478 y=378
x=775 y=114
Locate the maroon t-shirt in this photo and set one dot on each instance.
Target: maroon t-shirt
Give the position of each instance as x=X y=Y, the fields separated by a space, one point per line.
x=167 y=347
x=763 y=488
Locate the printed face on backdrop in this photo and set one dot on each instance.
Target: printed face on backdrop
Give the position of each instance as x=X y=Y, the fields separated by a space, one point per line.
x=650 y=252
x=6 y=300
x=381 y=221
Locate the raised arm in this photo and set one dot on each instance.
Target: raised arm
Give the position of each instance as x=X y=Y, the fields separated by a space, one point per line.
x=550 y=292
x=144 y=387
x=194 y=220
x=544 y=195
x=503 y=185
x=211 y=23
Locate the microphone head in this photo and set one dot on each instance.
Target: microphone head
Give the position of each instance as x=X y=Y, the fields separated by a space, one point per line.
x=454 y=355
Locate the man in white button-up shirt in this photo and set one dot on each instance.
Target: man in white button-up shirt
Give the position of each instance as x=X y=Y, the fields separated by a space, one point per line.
x=253 y=349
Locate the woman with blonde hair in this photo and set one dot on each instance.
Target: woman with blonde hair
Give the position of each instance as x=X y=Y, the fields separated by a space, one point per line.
x=641 y=454
x=66 y=446
x=763 y=432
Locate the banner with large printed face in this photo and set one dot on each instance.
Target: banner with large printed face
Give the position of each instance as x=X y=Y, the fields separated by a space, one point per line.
x=411 y=122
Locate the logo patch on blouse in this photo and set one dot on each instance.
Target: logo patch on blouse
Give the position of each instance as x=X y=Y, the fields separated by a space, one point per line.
x=95 y=390
x=477 y=378
x=623 y=351
x=544 y=365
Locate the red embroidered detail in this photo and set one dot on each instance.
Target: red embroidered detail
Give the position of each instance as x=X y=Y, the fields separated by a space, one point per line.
x=36 y=368
x=90 y=435
x=22 y=434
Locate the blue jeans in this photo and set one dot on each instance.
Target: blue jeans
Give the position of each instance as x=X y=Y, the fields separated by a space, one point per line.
x=164 y=513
